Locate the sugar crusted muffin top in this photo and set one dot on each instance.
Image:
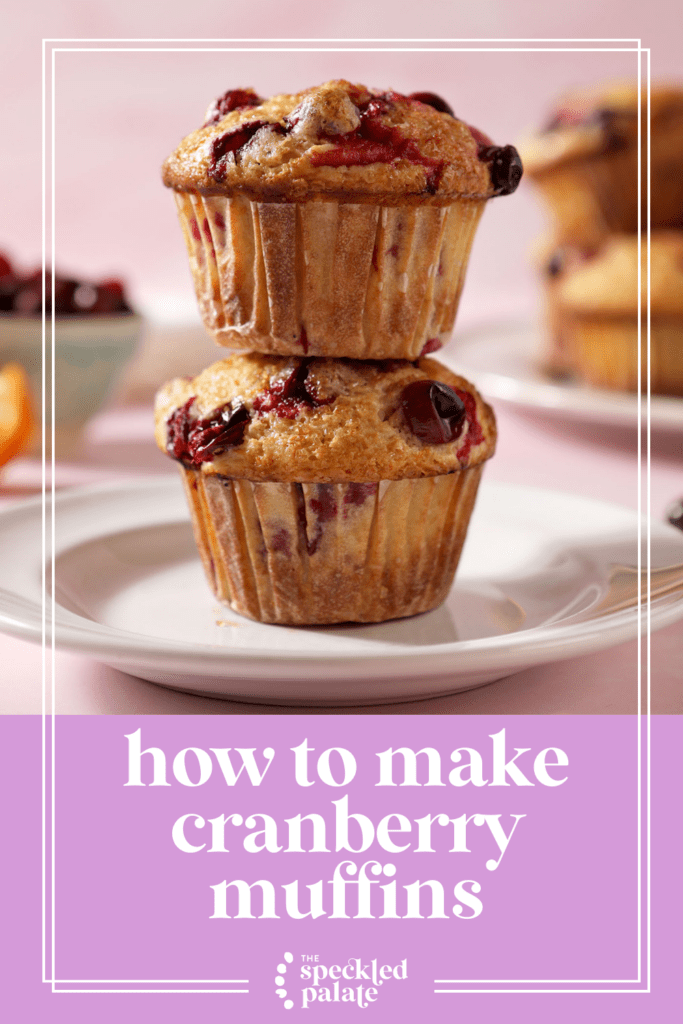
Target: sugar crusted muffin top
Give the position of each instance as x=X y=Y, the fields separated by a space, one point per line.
x=285 y=419
x=606 y=284
x=340 y=141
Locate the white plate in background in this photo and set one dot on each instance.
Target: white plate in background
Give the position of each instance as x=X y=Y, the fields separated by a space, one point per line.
x=501 y=359
x=536 y=575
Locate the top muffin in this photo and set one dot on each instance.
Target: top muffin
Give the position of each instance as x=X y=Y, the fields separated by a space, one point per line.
x=340 y=140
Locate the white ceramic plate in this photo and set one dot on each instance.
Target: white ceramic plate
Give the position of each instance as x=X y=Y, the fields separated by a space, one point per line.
x=536 y=584
x=501 y=359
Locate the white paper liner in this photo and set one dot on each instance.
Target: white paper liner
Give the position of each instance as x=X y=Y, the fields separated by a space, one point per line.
x=305 y=554
x=361 y=281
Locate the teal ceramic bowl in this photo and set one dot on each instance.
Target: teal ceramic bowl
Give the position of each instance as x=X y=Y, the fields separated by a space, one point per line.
x=89 y=354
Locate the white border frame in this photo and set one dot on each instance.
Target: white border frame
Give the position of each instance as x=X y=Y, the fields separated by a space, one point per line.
x=48 y=820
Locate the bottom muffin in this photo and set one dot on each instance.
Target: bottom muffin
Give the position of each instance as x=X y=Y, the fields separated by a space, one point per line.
x=319 y=553
x=327 y=490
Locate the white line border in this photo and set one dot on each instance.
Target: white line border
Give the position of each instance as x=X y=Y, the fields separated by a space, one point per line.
x=336 y=48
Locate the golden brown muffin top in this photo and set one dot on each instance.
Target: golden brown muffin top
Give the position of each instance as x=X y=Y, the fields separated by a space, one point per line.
x=286 y=419
x=340 y=141
x=598 y=120
x=607 y=284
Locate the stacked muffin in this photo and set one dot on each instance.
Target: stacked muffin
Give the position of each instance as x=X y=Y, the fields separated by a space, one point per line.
x=585 y=163
x=331 y=468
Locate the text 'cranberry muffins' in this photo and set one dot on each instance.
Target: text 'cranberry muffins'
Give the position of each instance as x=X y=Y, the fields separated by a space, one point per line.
x=330 y=470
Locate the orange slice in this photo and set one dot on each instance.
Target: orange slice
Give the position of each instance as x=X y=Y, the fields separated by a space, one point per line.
x=16 y=415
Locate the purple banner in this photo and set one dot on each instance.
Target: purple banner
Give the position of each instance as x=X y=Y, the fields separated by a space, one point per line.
x=285 y=865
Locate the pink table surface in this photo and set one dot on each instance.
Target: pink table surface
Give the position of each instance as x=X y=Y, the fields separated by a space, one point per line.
x=531 y=451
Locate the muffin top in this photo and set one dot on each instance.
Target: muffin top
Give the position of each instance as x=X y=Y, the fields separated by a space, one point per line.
x=606 y=284
x=344 y=142
x=325 y=420
x=597 y=121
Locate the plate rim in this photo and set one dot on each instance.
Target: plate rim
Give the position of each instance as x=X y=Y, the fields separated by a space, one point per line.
x=533 y=646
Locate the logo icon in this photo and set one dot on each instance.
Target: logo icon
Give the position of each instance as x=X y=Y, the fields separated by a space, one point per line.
x=280 y=980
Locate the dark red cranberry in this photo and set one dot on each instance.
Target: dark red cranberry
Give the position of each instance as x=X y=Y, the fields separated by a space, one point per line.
x=110 y=297
x=288 y=123
x=475 y=435
x=23 y=294
x=28 y=297
x=615 y=127
x=567 y=256
x=194 y=441
x=231 y=142
x=565 y=117
x=505 y=168
x=376 y=142
x=8 y=289
x=222 y=430
x=287 y=396
x=27 y=302
x=354 y=152
x=674 y=515
x=479 y=137
x=556 y=264
x=433 y=411
x=5 y=266
x=178 y=430
x=433 y=345
x=233 y=99
x=113 y=285
x=64 y=295
x=432 y=100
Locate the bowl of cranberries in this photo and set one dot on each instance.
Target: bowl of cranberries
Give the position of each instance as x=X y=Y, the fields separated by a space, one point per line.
x=95 y=334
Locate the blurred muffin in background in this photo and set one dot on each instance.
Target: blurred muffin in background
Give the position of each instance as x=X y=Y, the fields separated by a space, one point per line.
x=596 y=311
x=553 y=263
x=585 y=161
x=96 y=331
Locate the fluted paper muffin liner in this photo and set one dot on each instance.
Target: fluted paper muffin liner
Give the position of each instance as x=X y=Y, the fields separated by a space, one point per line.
x=322 y=278
x=309 y=553
x=605 y=353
